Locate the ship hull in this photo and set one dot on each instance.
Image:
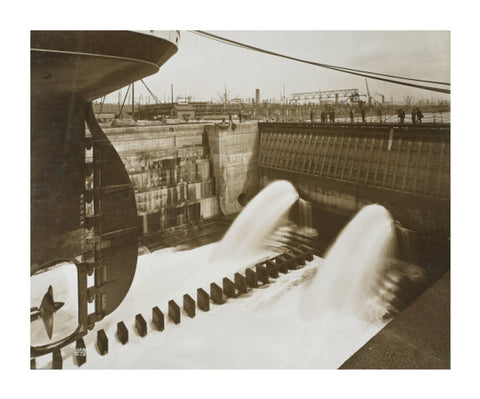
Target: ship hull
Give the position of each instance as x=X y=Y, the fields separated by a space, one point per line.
x=71 y=167
x=91 y=64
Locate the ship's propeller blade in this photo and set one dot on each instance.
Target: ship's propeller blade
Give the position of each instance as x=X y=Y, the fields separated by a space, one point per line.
x=47 y=308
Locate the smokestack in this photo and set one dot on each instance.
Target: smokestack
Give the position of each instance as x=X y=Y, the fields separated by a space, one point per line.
x=257 y=96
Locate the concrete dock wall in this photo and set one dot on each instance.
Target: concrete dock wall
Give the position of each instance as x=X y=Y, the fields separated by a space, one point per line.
x=342 y=168
x=183 y=173
x=171 y=171
x=234 y=153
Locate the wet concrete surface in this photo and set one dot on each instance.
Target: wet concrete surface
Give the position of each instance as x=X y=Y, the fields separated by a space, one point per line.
x=418 y=338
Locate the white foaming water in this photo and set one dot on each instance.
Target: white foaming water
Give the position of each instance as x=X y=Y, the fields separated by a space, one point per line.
x=347 y=281
x=256 y=222
x=262 y=330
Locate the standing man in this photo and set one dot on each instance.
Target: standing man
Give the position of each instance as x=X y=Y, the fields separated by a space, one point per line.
x=363 y=115
x=351 y=115
x=419 y=115
x=332 y=116
x=414 y=116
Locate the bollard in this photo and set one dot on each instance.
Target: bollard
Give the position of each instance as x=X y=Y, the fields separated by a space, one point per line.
x=251 y=276
x=272 y=270
x=141 y=325
x=33 y=363
x=189 y=305
x=122 y=332
x=102 y=342
x=216 y=294
x=173 y=311
x=203 y=300
x=57 y=361
x=240 y=283
x=158 y=318
x=228 y=287
x=80 y=352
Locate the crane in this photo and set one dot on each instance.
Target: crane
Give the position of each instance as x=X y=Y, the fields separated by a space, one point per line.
x=370 y=98
x=368 y=93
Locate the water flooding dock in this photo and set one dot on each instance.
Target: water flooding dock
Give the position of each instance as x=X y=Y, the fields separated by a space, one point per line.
x=191 y=181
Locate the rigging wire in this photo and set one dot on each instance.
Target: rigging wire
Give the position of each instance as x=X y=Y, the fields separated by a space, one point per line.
x=124 y=98
x=151 y=93
x=367 y=74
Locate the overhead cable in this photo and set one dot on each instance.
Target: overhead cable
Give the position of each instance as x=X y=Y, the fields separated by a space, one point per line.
x=367 y=74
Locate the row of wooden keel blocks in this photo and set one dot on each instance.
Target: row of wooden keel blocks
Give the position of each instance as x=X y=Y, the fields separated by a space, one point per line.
x=216 y=294
x=281 y=264
x=271 y=268
x=141 y=325
x=228 y=288
x=57 y=360
x=122 y=332
x=173 y=312
x=262 y=274
x=158 y=319
x=189 y=305
x=291 y=261
x=80 y=352
x=203 y=300
x=298 y=258
x=240 y=283
x=263 y=271
x=252 y=279
x=307 y=252
x=102 y=342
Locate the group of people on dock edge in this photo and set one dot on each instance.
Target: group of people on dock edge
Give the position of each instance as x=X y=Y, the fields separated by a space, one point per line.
x=328 y=116
x=417 y=115
x=362 y=113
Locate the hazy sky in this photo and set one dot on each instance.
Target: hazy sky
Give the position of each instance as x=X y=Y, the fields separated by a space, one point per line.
x=202 y=67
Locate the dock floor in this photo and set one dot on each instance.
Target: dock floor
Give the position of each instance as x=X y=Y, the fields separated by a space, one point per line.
x=418 y=338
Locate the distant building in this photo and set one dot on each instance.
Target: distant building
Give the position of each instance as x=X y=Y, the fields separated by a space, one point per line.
x=182 y=111
x=185 y=111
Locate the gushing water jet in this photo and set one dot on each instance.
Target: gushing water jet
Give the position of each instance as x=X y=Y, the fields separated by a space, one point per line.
x=256 y=222
x=346 y=282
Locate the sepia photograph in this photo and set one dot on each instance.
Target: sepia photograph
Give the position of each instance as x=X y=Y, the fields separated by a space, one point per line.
x=240 y=199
